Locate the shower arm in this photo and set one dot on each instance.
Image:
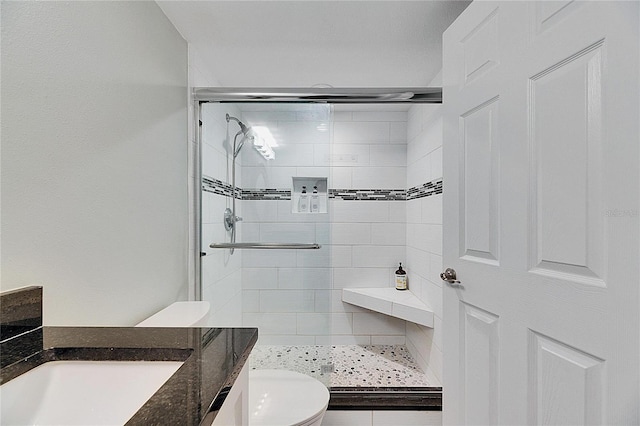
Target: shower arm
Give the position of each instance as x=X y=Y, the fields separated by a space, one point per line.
x=243 y=128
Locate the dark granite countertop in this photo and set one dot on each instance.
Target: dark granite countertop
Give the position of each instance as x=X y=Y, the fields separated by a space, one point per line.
x=213 y=358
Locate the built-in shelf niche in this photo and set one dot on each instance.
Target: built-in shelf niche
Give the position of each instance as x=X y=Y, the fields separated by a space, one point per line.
x=316 y=202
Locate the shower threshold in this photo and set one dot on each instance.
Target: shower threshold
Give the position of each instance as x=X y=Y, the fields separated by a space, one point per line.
x=359 y=377
x=376 y=398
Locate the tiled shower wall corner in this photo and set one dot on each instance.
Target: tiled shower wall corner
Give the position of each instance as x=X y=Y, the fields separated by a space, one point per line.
x=424 y=233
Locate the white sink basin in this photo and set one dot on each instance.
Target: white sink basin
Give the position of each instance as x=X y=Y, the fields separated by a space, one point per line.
x=82 y=392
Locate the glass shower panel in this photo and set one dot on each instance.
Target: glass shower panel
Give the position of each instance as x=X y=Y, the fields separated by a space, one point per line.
x=221 y=271
x=282 y=194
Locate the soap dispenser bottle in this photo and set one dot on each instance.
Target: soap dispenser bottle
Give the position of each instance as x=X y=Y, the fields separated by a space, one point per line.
x=401 y=278
x=303 y=201
x=315 y=202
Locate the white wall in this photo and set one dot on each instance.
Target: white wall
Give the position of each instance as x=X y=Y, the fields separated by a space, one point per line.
x=94 y=158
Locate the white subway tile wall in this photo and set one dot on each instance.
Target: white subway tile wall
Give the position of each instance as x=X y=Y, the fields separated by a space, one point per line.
x=424 y=234
x=294 y=296
x=362 y=240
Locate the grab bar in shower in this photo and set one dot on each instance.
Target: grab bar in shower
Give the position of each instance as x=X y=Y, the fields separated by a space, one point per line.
x=266 y=246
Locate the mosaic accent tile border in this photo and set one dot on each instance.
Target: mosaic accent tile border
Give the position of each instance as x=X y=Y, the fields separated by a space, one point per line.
x=368 y=194
x=266 y=194
x=218 y=187
x=425 y=190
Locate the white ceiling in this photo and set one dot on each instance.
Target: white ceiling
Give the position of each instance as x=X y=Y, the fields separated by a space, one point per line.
x=304 y=43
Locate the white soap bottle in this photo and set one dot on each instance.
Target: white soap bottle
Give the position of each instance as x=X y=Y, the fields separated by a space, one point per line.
x=303 y=201
x=315 y=201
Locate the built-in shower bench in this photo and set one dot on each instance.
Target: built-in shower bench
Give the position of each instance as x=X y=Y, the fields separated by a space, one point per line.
x=400 y=304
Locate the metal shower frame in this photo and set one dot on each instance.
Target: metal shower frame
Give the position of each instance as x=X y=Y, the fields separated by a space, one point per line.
x=200 y=95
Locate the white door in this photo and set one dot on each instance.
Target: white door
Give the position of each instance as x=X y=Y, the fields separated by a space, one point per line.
x=541 y=191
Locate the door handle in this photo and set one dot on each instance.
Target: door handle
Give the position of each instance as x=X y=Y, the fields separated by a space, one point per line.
x=449 y=275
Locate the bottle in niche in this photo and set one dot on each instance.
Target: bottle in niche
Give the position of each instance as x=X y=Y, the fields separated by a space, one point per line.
x=315 y=202
x=303 y=201
x=401 y=278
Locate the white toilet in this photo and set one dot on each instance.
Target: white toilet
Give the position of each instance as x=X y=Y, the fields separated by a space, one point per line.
x=180 y=314
x=281 y=397
x=276 y=397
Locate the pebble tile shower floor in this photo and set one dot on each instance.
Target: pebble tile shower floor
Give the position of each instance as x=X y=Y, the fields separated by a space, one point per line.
x=354 y=365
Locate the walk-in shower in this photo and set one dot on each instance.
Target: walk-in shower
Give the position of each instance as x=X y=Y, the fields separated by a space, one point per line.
x=347 y=152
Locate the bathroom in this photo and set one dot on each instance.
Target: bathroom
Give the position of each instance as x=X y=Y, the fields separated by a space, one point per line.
x=102 y=213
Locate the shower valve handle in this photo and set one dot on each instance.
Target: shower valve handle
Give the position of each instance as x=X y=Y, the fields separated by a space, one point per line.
x=230 y=219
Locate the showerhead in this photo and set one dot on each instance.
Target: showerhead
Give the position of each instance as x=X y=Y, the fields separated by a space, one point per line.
x=244 y=131
x=247 y=133
x=259 y=136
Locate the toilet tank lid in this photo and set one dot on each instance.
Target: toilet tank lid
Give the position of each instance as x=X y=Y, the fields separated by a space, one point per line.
x=179 y=314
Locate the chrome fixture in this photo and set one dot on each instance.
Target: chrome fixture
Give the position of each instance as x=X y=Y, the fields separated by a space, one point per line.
x=331 y=95
x=263 y=142
x=230 y=217
x=260 y=136
x=449 y=275
x=267 y=246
